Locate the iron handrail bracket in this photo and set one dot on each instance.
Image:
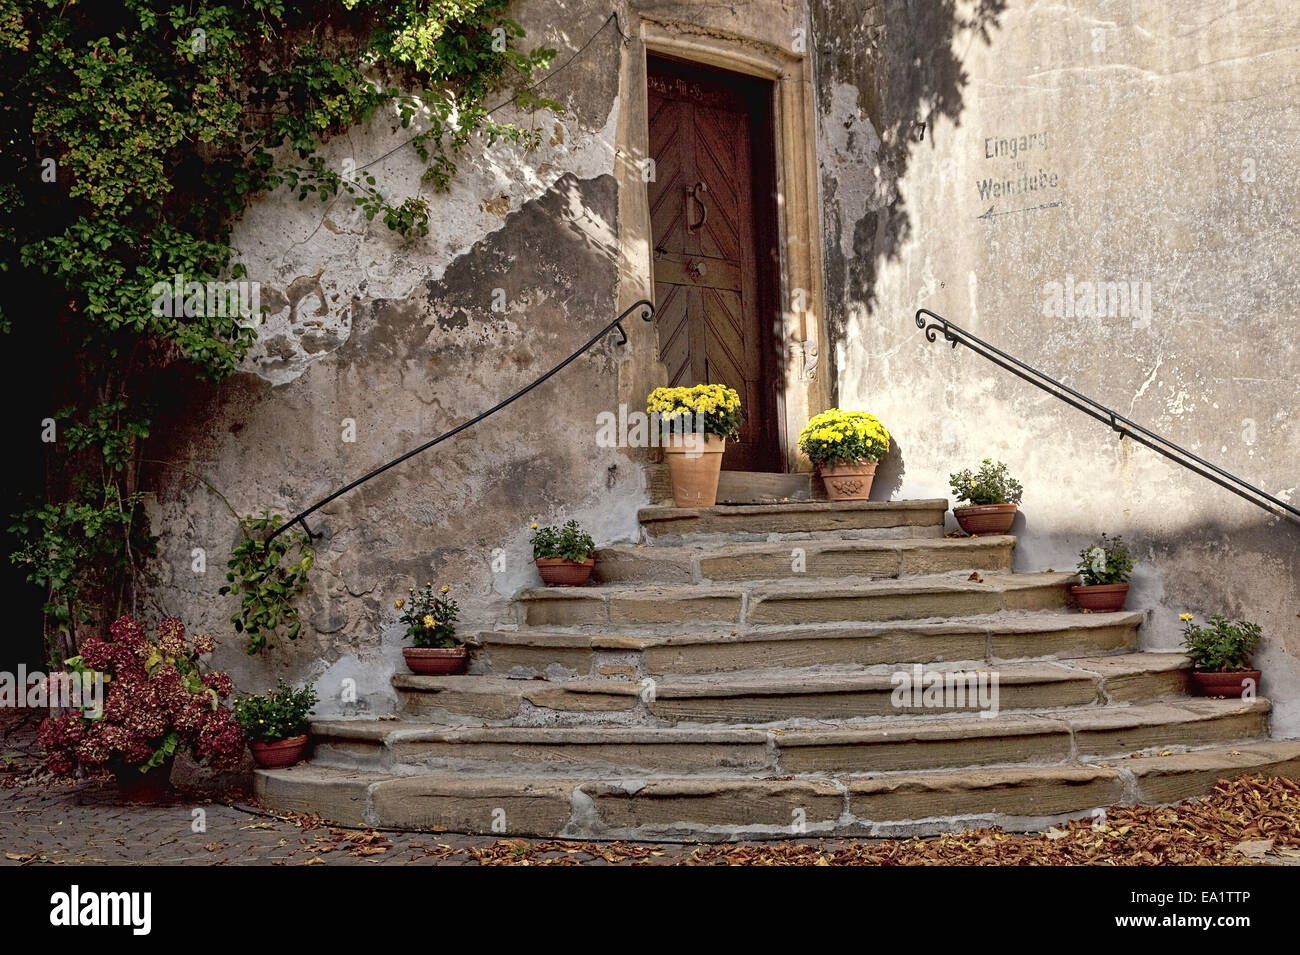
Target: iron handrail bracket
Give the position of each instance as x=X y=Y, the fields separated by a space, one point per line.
x=647 y=314
x=1126 y=428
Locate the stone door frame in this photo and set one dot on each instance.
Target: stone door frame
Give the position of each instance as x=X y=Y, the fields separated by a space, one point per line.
x=806 y=389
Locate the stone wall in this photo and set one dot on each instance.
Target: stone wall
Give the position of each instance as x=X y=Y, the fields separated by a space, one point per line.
x=979 y=160
x=973 y=158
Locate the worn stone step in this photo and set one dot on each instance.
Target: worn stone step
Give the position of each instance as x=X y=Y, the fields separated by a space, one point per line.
x=1040 y=635
x=609 y=750
x=794 y=601
x=757 y=521
x=774 y=697
x=893 y=744
x=797 y=560
x=910 y=744
x=719 y=808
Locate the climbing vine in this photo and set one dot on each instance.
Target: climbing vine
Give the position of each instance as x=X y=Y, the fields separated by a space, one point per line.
x=137 y=132
x=267 y=578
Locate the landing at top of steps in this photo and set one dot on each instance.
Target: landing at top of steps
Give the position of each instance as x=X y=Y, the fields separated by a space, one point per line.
x=899 y=518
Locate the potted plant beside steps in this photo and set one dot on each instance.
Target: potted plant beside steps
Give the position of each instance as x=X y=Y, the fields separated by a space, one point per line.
x=1220 y=653
x=991 y=496
x=563 y=555
x=276 y=723
x=695 y=424
x=1104 y=570
x=845 y=446
x=430 y=619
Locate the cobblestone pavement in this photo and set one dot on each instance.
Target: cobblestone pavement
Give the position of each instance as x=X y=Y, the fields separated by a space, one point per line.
x=85 y=822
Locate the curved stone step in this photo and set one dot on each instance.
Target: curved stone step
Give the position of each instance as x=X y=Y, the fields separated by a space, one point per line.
x=793 y=602
x=777 y=560
x=794 y=694
x=1039 y=635
x=710 y=808
x=892 y=744
x=758 y=521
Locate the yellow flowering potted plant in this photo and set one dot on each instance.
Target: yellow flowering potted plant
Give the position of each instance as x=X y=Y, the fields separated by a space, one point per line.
x=563 y=554
x=695 y=424
x=275 y=724
x=430 y=618
x=992 y=497
x=1220 y=653
x=845 y=446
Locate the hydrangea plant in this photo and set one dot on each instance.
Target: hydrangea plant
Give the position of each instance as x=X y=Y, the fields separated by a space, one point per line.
x=158 y=701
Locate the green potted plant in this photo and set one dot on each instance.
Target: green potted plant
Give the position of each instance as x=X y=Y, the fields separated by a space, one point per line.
x=1220 y=653
x=430 y=618
x=1104 y=570
x=563 y=554
x=275 y=724
x=845 y=446
x=991 y=495
x=695 y=423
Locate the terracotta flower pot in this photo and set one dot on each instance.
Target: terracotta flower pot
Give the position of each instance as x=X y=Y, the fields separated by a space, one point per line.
x=284 y=752
x=562 y=572
x=145 y=789
x=1229 y=683
x=436 y=661
x=848 y=480
x=985 y=518
x=1100 y=598
x=695 y=462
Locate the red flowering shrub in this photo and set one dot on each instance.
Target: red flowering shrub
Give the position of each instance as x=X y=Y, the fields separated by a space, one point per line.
x=157 y=701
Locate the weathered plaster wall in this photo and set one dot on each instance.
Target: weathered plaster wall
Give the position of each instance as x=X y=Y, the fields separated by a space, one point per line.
x=401 y=337
x=1163 y=143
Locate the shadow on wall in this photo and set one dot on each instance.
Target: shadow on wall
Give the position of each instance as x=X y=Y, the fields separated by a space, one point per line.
x=889 y=473
x=903 y=58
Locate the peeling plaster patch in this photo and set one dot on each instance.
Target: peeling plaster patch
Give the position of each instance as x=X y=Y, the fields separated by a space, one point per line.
x=314 y=260
x=851 y=146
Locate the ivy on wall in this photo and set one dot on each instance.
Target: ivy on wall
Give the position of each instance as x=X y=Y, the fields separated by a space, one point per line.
x=136 y=133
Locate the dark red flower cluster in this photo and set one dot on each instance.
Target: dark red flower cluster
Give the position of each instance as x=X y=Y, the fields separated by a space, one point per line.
x=154 y=690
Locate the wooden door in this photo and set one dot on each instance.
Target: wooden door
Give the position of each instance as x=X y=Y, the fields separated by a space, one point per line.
x=708 y=216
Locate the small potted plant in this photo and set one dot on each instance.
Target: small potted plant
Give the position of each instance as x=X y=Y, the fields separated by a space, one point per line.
x=991 y=496
x=845 y=446
x=157 y=700
x=1220 y=653
x=695 y=424
x=1104 y=569
x=430 y=619
x=275 y=724
x=563 y=554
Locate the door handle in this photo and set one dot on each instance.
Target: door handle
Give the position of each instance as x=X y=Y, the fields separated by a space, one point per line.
x=693 y=194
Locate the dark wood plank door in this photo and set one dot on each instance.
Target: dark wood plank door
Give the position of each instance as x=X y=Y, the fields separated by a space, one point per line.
x=703 y=218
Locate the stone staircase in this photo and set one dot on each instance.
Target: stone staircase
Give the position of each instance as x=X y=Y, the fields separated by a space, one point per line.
x=734 y=677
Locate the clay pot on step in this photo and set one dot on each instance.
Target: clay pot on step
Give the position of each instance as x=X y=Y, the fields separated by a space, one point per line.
x=695 y=462
x=848 y=480
x=1100 y=598
x=985 y=518
x=562 y=572
x=145 y=789
x=436 y=661
x=1229 y=683
x=283 y=752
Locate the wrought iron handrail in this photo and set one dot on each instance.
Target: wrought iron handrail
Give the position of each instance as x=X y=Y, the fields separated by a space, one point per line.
x=1125 y=427
x=647 y=313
